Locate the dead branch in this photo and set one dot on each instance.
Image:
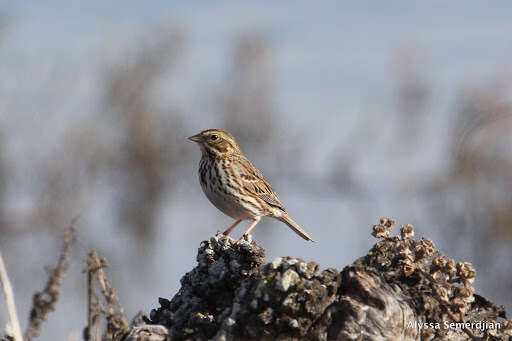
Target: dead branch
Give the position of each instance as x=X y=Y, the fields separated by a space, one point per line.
x=114 y=313
x=11 y=306
x=44 y=301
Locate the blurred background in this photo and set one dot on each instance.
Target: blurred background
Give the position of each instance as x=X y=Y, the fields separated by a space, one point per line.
x=353 y=111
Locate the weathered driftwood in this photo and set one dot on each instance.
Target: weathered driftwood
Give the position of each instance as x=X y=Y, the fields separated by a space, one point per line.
x=232 y=294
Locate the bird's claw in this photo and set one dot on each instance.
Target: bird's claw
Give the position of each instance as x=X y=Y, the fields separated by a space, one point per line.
x=231 y=239
x=242 y=238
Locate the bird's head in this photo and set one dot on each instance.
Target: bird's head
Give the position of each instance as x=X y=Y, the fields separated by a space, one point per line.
x=216 y=142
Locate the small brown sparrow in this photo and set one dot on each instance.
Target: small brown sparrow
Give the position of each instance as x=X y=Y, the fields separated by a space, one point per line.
x=234 y=185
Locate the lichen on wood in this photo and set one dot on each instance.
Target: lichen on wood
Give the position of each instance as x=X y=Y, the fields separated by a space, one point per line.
x=233 y=294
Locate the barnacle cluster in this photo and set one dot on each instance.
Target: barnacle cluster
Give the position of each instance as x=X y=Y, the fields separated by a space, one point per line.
x=440 y=286
x=233 y=294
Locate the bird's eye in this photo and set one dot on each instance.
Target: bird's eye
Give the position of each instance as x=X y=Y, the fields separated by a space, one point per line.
x=214 y=137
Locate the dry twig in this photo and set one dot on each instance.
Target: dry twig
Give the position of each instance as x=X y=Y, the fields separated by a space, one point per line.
x=44 y=301
x=116 y=323
x=9 y=297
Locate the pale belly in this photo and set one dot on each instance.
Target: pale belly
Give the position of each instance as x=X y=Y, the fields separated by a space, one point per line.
x=225 y=198
x=228 y=204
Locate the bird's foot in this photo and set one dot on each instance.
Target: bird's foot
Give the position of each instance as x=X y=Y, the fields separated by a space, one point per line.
x=231 y=239
x=245 y=237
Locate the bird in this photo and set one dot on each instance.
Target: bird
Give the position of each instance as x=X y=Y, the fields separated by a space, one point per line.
x=235 y=186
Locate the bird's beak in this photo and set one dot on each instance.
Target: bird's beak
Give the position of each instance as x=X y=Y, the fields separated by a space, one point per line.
x=195 y=138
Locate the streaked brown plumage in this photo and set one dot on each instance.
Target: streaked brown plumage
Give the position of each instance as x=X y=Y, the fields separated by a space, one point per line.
x=234 y=185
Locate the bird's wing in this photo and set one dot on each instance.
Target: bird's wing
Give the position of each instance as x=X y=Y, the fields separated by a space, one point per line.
x=254 y=183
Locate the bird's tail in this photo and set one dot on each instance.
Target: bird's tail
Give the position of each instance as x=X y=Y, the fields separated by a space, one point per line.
x=285 y=218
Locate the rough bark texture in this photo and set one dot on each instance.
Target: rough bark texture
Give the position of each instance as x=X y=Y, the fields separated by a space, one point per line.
x=232 y=294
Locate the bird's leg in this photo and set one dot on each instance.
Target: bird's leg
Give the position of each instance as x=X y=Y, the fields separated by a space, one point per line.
x=254 y=222
x=228 y=231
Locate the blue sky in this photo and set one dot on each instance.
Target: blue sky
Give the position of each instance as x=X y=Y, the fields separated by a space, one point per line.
x=338 y=47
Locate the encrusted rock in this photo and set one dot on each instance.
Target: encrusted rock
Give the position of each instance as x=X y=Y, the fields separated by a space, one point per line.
x=233 y=295
x=148 y=332
x=288 y=278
